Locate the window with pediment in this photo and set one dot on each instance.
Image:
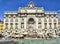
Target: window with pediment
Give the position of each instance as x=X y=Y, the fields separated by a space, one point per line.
x=39 y=25
x=45 y=25
x=54 y=20
x=49 y=15
x=22 y=25
x=16 y=25
x=50 y=25
x=50 y=20
x=6 y=20
x=45 y=20
x=54 y=15
x=39 y=20
x=6 y=24
x=16 y=20
x=11 y=25
x=55 y=26
x=11 y=20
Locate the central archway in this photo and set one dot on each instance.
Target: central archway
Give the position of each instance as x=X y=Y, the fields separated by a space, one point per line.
x=31 y=24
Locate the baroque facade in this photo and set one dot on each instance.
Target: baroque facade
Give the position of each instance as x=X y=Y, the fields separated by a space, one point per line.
x=30 y=19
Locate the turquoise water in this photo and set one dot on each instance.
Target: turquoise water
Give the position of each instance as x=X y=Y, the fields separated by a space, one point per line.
x=31 y=41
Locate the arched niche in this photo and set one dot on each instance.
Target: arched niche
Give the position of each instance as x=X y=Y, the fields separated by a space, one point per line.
x=31 y=21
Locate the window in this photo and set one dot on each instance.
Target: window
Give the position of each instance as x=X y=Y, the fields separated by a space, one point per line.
x=54 y=15
x=39 y=25
x=50 y=25
x=16 y=20
x=6 y=20
x=16 y=25
x=6 y=27
x=6 y=15
x=11 y=15
x=54 y=20
x=22 y=25
x=11 y=25
x=50 y=20
x=39 y=20
x=11 y=20
x=45 y=20
x=22 y=20
x=49 y=15
x=45 y=25
x=55 y=26
x=6 y=24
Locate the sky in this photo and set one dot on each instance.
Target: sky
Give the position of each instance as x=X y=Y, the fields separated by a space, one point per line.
x=13 y=5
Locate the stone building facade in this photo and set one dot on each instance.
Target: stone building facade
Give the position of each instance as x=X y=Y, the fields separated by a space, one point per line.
x=30 y=19
x=1 y=26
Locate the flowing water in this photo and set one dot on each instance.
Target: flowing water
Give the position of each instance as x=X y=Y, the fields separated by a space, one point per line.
x=31 y=41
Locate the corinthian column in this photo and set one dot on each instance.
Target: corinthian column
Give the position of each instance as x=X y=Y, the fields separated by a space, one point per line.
x=36 y=23
x=24 y=23
x=42 y=22
x=52 y=24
